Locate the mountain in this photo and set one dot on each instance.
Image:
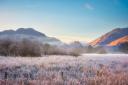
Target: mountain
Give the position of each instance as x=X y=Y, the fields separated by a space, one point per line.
x=78 y=44
x=119 y=41
x=29 y=33
x=112 y=38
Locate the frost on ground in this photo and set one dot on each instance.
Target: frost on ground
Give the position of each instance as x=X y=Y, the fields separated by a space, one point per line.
x=87 y=69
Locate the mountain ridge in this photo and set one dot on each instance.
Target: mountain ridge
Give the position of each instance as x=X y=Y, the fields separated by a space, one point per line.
x=110 y=36
x=29 y=33
x=119 y=41
x=26 y=31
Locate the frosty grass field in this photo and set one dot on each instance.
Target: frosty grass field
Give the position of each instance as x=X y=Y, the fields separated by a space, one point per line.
x=87 y=69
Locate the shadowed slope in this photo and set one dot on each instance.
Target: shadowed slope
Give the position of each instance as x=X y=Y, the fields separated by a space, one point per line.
x=119 y=41
x=111 y=36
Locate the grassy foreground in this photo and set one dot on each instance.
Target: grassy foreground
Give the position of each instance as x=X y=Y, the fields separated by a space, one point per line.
x=89 y=69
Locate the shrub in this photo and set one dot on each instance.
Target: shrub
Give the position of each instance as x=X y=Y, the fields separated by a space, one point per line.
x=75 y=52
x=28 y=47
x=19 y=48
x=54 y=50
x=100 y=50
x=90 y=49
x=5 y=47
x=124 y=47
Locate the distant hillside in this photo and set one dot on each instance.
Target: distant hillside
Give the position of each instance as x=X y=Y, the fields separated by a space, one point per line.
x=119 y=41
x=77 y=44
x=30 y=34
x=27 y=31
x=111 y=38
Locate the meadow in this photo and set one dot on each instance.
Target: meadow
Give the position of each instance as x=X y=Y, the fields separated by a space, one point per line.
x=86 y=69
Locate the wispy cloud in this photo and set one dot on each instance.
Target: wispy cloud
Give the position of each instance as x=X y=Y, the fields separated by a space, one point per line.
x=88 y=6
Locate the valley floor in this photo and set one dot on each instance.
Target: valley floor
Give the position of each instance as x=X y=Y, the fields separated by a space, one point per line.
x=87 y=69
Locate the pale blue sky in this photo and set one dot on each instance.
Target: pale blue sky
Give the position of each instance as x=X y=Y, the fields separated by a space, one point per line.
x=67 y=20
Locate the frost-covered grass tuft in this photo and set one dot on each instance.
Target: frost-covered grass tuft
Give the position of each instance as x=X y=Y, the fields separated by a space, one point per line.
x=88 y=69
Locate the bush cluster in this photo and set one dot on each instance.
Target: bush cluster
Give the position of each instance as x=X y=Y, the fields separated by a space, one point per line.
x=19 y=48
x=31 y=48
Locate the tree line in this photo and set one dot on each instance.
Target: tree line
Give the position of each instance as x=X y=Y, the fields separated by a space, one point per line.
x=27 y=47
